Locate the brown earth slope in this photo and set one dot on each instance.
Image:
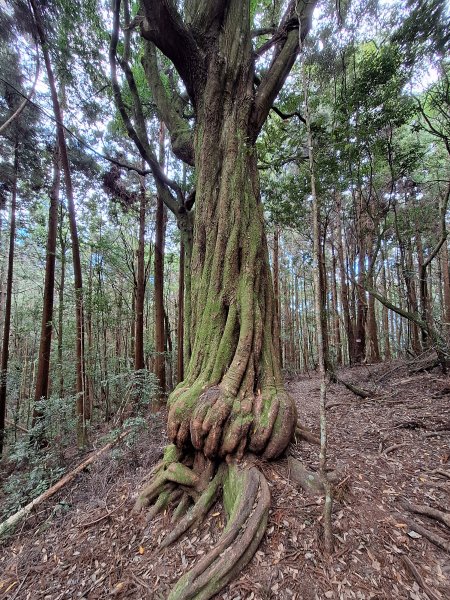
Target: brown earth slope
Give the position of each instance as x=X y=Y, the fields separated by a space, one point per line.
x=394 y=447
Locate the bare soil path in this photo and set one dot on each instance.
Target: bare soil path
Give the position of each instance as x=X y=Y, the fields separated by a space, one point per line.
x=395 y=447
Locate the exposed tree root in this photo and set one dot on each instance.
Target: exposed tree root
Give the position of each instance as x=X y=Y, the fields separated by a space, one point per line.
x=428 y=511
x=246 y=500
x=434 y=538
x=304 y=434
x=307 y=479
x=418 y=577
x=310 y=481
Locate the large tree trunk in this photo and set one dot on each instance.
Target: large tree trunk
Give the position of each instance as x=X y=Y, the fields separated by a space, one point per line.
x=232 y=397
x=7 y=321
x=180 y=318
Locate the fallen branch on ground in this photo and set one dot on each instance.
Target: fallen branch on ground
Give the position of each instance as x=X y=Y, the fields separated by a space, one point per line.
x=431 y=434
x=105 y=516
x=360 y=392
x=26 y=510
x=394 y=447
x=387 y=373
x=16 y=425
x=428 y=511
x=424 y=366
x=441 y=472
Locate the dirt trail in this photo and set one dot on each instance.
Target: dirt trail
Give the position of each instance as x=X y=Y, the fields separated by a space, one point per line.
x=85 y=543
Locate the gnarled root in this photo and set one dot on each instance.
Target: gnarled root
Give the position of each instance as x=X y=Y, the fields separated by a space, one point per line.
x=218 y=422
x=246 y=500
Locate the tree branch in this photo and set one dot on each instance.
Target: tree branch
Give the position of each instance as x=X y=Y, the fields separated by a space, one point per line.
x=285 y=116
x=443 y=211
x=180 y=133
x=113 y=161
x=201 y=15
x=283 y=59
x=263 y=31
x=163 y=26
x=27 y=99
x=139 y=138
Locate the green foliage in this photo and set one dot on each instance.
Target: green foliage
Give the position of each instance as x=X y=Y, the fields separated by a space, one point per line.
x=35 y=468
x=425 y=31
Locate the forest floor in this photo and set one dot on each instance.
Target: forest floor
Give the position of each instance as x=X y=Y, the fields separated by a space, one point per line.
x=84 y=543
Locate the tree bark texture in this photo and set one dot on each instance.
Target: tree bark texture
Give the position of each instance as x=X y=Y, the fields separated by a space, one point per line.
x=232 y=398
x=139 y=294
x=41 y=390
x=7 y=320
x=78 y=281
x=160 y=234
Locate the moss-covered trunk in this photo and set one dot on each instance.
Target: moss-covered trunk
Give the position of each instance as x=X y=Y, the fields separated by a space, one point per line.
x=232 y=397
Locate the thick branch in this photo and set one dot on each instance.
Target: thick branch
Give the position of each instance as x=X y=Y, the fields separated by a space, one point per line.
x=164 y=27
x=263 y=31
x=440 y=344
x=139 y=138
x=282 y=62
x=443 y=211
x=180 y=133
x=201 y=15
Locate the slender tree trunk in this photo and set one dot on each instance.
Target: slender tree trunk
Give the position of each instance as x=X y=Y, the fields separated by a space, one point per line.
x=361 y=296
x=324 y=294
x=321 y=350
x=161 y=216
x=385 y=312
x=42 y=379
x=336 y=319
x=80 y=367
x=372 y=345
x=7 y=320
x=168 y=351
x=139 y=296
x=446 y=286
x=344 y=287
x=180 y=330
x=89 y=355
x=423 y=287
x=62 y=243
x=3 y=270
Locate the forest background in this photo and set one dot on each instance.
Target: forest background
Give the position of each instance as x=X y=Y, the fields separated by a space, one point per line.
x=378 y=115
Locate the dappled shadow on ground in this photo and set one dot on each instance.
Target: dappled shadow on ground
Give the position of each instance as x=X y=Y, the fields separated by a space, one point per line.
x=393 y=447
